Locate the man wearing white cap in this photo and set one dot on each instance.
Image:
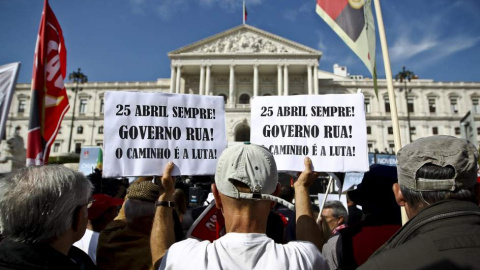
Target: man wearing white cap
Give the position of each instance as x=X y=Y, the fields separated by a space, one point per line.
x=245 y=180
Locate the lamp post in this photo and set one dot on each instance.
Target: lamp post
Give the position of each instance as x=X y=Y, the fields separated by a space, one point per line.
x=403 y=76
x=78 y=78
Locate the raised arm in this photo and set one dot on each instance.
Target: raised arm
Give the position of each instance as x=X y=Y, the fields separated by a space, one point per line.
x=163 y=236
x=306 y=229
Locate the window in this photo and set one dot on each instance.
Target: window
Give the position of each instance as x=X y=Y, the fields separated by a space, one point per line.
x=431 y=105
x=475 y=106
x=56 y=147
x=78 y=147
x=80 y=130
x=390 y=130
x=391 y=147
x=457 y=131
x=454 y=105
x=478 y=131
x=100 y=143
x=21 y=106
x=82 y=109
x=100 y=130
x=370 y=147
x=102 y=105
x=369 y=130
x=387 y=105
x=244 y=99
x=435 y=130
x=410 y=105
x=367 y=105
x=413 y=130
x=266 y=95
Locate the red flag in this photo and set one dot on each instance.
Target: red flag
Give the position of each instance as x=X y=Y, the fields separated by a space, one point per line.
x=49 y=97
x=244 y=12
x=210 y=225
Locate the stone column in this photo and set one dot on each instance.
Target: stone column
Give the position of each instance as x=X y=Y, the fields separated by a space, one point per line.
x=202 y=81
x=179 y=79
x=315 y=78
x=279 y=80
x=310 y=85
x=207 y=82
x=285 y=80
x=172 y=79
x=231 y=94
x=255 y=80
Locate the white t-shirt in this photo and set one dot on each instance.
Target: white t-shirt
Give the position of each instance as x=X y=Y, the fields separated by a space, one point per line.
x=89 y=243
x=243 y=251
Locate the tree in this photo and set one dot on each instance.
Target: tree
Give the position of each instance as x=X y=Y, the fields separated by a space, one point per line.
x=404 y=76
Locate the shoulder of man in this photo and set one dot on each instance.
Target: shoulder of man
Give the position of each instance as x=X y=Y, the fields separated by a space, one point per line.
x=189 y=248
x=309 y=254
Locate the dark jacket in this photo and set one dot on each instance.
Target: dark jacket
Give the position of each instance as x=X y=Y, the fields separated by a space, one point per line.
x=21 y=256
x=445 y=235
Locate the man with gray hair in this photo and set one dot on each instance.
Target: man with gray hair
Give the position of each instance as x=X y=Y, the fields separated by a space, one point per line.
x=436 y=176
x=333 y=218
x=43 y=211
x=245 y=180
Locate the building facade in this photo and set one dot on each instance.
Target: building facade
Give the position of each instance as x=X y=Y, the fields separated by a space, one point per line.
x=245 y=62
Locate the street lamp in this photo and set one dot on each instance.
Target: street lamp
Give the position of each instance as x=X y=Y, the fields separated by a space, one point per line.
x=403 y=76
x=77 y=78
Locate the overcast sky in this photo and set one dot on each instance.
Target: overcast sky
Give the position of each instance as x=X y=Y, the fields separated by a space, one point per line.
x=128 y=40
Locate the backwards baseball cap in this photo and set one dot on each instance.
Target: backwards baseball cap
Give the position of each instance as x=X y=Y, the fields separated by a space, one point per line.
x=441 y=151
x=250 y=164
x=101 y=203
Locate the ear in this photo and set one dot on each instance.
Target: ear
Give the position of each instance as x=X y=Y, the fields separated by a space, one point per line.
x=398 y=194
x=216 y=195
x=78 y=216
x=340 y=221
x=276 y=193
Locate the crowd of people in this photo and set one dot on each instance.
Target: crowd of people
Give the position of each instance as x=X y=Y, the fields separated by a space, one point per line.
x=52 y=217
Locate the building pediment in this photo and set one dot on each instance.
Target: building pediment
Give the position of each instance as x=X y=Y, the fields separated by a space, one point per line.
x=244 y=39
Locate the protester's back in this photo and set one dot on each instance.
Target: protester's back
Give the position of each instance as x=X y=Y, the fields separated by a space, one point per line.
x=382 y=217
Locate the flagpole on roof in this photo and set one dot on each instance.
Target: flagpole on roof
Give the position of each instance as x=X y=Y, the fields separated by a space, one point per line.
x=243 y=13
x=391 y=95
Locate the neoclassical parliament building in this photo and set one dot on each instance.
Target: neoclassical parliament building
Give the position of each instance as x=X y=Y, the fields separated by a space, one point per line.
x=244 y=62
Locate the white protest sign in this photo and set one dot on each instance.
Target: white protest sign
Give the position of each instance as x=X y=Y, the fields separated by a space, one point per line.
x=144 y=131
x=330 y=129
x=332 y=197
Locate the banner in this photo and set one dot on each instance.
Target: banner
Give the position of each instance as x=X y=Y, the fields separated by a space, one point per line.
x=8 y=79
x=147 y=130
x=49 y=102
x=330 y=129
x=386 y=159
x=90 y=158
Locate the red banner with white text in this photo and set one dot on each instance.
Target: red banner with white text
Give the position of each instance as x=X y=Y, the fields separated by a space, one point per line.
x=49 y=101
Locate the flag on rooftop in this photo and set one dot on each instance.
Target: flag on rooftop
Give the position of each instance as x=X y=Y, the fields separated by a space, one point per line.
x=49 y=101
x=244 y=12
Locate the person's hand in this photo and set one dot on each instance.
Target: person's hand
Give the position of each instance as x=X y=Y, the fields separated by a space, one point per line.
x=307 y=177
x=167 y=183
